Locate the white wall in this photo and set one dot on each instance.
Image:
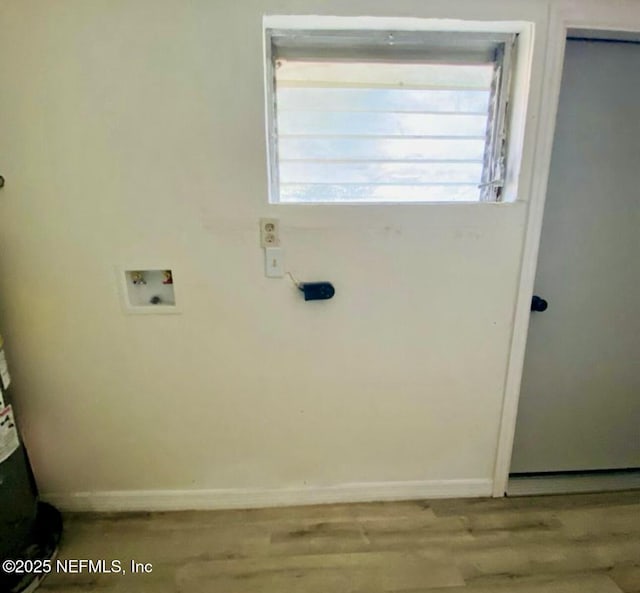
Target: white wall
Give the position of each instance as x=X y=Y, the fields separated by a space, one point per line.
x=132 y=132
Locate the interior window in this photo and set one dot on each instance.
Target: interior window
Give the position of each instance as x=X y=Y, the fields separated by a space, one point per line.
x=371 y=116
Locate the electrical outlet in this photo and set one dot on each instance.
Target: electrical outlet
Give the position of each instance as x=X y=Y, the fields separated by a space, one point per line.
x=269 y=232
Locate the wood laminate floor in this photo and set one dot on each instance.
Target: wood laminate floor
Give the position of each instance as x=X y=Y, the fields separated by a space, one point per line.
x=587 y=543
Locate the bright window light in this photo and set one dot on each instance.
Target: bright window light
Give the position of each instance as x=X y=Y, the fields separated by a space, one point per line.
x=355 y=118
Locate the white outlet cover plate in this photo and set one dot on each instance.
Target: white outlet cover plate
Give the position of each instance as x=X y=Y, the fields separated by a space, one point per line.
x=273 y=262
x=263 y=232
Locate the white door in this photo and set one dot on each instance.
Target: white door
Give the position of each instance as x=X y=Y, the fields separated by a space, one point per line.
x=580 y=399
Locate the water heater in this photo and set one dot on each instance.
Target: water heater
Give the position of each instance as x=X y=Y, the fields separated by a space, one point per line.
x=29 y=528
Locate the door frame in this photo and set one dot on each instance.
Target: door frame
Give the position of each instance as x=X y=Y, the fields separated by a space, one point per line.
x=620 y=16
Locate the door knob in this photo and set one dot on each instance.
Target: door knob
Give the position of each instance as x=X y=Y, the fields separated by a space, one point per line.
x=538 y=304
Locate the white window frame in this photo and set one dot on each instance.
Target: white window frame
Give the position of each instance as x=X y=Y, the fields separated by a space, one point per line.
x=504 y=145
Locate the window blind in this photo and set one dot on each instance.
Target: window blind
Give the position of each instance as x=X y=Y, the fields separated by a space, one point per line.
x=357 y=121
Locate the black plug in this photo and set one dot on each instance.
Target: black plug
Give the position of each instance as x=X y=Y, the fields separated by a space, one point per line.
x=317 y=291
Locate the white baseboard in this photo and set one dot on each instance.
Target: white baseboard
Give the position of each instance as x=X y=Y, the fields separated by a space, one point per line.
x=182 y=500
